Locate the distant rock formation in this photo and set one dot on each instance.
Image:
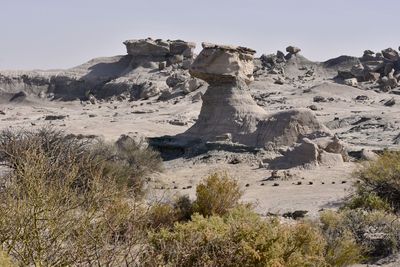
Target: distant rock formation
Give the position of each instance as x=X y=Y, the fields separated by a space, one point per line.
x=228 y=108
x=142 y=73
x=381 y=69
x=159 y=48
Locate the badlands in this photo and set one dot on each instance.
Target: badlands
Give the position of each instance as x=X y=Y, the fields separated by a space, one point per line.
x=290 y=130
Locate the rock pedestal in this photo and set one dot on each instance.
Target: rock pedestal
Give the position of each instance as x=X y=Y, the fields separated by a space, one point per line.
x=228 y=107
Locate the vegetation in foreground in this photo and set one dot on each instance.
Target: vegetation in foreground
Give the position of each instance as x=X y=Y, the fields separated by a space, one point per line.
x=68 y=201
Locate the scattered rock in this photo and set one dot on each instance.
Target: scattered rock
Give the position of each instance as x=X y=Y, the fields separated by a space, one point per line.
x=319 y=99
x=351 y=82
x=390 y=102
x=390 y=54
x=54 y=117
x=298 y=214
x=362 y=98
x=18 y=97
x=313 y=107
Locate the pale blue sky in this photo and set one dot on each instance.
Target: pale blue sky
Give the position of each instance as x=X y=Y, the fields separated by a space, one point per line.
x=64 y=33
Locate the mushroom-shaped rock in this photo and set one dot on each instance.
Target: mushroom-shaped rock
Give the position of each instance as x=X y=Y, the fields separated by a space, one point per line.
x=229 y=108
x=218 y=64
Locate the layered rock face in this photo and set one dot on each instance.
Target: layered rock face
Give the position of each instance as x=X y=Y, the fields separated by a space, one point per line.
x=140 y=74
x=229 y=110
x=159 y=48
x=167 y=51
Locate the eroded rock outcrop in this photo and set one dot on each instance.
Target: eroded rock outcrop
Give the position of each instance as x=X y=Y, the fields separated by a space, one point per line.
x=142 y=73
x=228 y=108
x=381 y=69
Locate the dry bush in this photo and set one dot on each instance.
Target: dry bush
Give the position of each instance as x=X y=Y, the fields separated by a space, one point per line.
x=379 y=186
x=165 y=214
x=59 y=206
x=377 y=233
x=342 y=246
x=128 y=161
x=216 y=195
x=239 y=238
x=5 y=261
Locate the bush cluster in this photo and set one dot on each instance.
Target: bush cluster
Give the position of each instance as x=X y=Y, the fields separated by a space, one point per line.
x=60 y=205
x=70 y=201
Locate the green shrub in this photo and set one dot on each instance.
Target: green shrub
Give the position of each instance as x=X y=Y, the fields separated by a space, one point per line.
x=216 y=195
x=239 y=238
x=379 y=186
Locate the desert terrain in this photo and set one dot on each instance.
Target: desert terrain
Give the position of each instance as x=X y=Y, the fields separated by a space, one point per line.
x=149 y=94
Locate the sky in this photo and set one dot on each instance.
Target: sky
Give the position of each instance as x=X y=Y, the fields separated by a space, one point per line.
x=52 y=34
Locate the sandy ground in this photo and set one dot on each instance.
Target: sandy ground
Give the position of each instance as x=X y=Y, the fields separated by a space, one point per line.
x=151 y=118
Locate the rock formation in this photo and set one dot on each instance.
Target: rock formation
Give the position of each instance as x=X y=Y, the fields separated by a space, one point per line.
x=382 y=69
x=228 y=108
x=170 y=52
x=142 y=73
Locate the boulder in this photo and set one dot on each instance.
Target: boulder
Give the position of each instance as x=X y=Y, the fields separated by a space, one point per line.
x=390 y=54
x=179 y=47
x=388 y=68
x=367 y=154
x=330 y=159
x=358 y=71
x=368 y=55
x=372 y=76
x=280 y=55
x=147 y=47
x=218 y=64
x=175 y=59
x=305 y=153
x=387 y=83
x=337 y=147
x=292 y=50
x=190 y=85
x=351 y=82
x=374 y=66
x=150 y=89
x=345 y=74
x=177 y=78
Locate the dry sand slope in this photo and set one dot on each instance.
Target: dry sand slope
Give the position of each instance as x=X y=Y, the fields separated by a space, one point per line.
x=150 y=93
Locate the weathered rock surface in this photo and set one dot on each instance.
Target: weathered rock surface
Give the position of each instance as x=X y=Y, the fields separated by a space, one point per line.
x=293 y=49
x=108 y=76
x=159 y=49
x=223 y=64
x=228 y=108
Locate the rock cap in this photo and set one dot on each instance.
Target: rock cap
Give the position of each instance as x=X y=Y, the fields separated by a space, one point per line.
x=218 y=64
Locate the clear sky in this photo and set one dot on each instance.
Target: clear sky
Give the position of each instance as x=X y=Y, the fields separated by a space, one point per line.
x=47 y=34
